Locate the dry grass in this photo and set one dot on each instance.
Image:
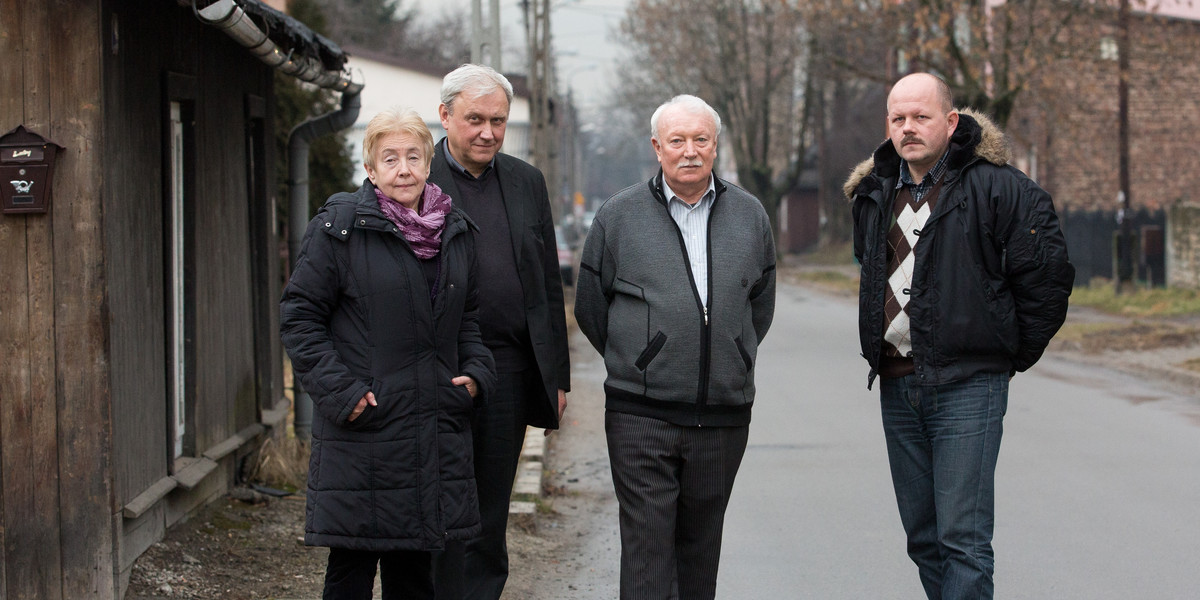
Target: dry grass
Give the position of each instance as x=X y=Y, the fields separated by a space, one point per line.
x=1094 y=338
x=281 y=464
x=1191 y=365
x=1141 y=302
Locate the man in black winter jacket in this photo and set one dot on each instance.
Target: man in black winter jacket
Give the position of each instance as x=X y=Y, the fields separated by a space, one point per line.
x=965 y=279
x=522 y=318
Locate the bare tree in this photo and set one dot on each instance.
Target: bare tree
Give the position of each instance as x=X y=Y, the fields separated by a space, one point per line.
x=390 y=27
x=989 y=52
x=381 y=25
x=746 y=58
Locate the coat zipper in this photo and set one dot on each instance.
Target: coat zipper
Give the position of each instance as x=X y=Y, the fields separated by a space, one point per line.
x=446 y=236
x=706 y=335
x=705 y=329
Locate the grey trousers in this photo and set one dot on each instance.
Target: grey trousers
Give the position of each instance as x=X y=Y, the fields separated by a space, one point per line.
x=673 y=485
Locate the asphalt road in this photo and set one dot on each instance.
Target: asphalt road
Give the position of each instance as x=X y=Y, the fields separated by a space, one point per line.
x=1098 y=481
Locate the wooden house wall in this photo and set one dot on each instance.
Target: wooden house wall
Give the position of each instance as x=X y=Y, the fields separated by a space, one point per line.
x=162 y=50
x=133 y=219
x=83 y=380
x=54 y=411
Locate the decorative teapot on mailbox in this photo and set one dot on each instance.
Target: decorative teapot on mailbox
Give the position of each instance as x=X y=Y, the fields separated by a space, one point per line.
x=26 y=171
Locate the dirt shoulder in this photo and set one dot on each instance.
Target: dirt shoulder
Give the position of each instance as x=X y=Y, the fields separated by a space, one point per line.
x=235 y=550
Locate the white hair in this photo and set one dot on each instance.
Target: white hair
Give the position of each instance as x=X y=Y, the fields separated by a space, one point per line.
x=691 y=104
x=477 y=80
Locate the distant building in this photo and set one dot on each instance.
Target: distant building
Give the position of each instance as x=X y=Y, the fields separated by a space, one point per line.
x=1065 y=131
x=1065 y=127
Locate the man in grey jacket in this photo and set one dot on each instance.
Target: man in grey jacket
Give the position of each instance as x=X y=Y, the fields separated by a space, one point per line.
x=676 y=290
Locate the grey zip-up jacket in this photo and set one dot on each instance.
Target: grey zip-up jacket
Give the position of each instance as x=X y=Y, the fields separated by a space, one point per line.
x=668 y=356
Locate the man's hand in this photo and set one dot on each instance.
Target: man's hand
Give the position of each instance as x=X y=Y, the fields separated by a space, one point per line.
x=362 y=405
x=463 y=380
x=562 y=407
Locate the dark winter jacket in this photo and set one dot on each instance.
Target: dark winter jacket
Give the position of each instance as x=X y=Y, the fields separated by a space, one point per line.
x=668 y=356
x=991 y=277
x=536 y=254
x=356 y=316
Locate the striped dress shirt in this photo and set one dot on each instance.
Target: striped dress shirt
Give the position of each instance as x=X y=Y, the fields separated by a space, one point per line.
x=692 y=220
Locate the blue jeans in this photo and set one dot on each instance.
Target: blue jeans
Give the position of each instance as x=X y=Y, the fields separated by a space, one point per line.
x=942 y=445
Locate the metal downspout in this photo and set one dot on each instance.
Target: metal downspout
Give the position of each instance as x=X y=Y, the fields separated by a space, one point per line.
x=299 y=141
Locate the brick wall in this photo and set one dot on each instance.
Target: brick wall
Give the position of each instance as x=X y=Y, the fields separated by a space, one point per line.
x=1065 y=128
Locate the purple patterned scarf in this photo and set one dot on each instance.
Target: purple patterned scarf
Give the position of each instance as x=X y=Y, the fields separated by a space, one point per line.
x=423 y=231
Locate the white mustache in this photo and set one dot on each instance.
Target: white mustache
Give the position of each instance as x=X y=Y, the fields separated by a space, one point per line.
x=689 y=163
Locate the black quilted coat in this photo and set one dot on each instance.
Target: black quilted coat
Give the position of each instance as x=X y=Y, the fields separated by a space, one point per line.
x=992 y=276
x=355 y=316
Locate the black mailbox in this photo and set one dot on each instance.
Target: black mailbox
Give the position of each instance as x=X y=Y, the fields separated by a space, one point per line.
x=26 y=171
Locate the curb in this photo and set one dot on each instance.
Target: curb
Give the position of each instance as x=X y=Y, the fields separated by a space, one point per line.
x=529 y=473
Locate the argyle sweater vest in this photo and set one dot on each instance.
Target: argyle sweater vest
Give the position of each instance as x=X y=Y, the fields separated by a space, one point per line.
x=908 y=218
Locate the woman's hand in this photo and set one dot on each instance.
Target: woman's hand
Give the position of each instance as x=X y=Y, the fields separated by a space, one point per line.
x=463 y=380
x=362 y=405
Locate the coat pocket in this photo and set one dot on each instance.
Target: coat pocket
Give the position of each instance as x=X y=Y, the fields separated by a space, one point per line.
x=745 y=355
x=651 y=351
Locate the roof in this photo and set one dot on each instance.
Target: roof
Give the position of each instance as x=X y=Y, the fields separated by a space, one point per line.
x=520 y=83
x=290 y=34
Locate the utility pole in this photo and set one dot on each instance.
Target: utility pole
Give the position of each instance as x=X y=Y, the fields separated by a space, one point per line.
x=542 y=143
x=485 y=34
x=1125 y=245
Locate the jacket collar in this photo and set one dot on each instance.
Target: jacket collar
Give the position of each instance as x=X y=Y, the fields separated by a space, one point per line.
x=504 y=167
x=367 y=214
x=976 y=138
x=457 y=166
x=656 y=186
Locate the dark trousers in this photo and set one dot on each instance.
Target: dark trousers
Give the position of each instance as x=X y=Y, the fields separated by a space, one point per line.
x=673 y=485
x=943 y=442
x=478 y=568
x=404 y=575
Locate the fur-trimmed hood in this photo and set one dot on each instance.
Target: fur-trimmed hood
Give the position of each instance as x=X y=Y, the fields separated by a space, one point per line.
x=975 y=132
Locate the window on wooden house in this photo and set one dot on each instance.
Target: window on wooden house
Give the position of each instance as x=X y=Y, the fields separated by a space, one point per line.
x=179 y=295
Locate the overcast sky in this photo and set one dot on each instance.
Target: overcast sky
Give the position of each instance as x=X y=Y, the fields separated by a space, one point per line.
x=581 y=36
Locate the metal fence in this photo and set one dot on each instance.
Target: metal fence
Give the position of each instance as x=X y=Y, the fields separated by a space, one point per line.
x=1091 y=243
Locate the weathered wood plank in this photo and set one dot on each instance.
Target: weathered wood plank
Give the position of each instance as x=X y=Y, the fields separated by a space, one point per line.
x=133 y=236
x=147 y=499
x=16 y=445
x=86 y=504
x=14 y=309
x=234 y=442
x=32 y=533
x=190 y=476
x=276 y=416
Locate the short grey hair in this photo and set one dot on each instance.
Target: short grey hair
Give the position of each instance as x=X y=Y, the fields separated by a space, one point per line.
x=477 y=80
x=691 y=104
x=396 y=120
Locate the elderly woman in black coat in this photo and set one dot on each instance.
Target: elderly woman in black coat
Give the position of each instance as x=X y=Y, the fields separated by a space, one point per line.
x=379 y=319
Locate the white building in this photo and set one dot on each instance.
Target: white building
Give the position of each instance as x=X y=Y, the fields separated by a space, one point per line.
x=396 y=82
